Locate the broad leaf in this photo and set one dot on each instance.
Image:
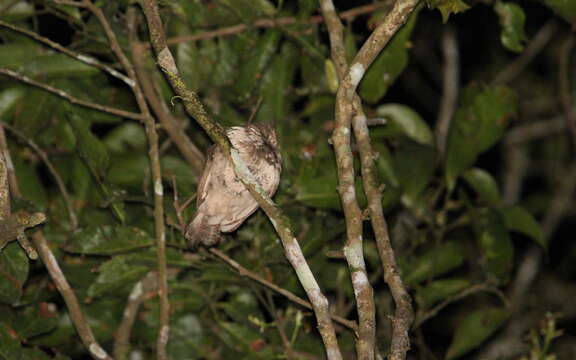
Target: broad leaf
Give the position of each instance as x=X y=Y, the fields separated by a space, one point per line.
x=439 y=290
x=478 y=125
x=496 y=246
x=117 y=276
x=519 y=219
x=474 y=329
x=484 y=185
x=388 y=65
x=108 y=240
x=406 y=121
x=437 y=261
x=13 y=272
x=512 y=19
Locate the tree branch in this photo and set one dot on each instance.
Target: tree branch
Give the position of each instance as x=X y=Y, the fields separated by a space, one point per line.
x=195 y=108
x=70 y=98
x=348 y=107
x=353 y=249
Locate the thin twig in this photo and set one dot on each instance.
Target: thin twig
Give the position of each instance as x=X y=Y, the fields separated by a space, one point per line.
x=347 y=107
x=195 y=108
x=534 y=130
x=76 y=314
x=242 y=271
x=70 y=98
x=80 y=57
x=156 y=170
x=59 y=182
x=269 y=23
x=537 y=44
x=353 y=249
x=450 y=86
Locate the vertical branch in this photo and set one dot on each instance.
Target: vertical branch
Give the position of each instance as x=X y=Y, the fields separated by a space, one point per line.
x=348 y=106
x=74 y=309
x=154 y=155
x=293 y=252
x=353 y=249
x=4 y=183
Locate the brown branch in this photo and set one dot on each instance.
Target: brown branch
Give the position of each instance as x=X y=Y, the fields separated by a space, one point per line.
x=353 y=249
x=80 y=57
x=76 y=314
x=53 y=172
x=195 y=108
x=269 y=23
x=537 y=44
x=242 y=271
x=427 y=315
x=189 y=151
x=159 y=226
x=142 y=291
x=70 y=98
x=347 y=107
x=5 y=208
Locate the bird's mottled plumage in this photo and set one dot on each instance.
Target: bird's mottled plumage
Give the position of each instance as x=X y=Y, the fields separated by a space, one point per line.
x=223 y=202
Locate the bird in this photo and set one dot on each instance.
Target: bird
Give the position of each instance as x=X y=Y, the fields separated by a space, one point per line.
x=222 y=200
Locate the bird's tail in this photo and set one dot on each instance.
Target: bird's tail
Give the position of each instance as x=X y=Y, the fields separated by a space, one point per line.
x=200 y=233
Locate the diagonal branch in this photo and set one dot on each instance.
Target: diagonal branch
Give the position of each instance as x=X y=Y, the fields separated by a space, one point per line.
x=70 y=98
x=195 y=108
x=353 y=249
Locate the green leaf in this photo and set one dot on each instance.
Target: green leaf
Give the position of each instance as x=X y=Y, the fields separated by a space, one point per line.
x=35 y=321
x=474 y=329
x=116 y=275
x=388 y=65
x=260 y=56
x=8 y=100
x=275 y=86
x=407 y=121
x=34 y=354
x=125 y=137
x=89 y=147
x=10 y=348
x=512 y=20
x=484 y=185
x=478 y=125
x=437 y=261
x=13 y=272
x=496 y=246
x=519 y=219
x=108 y=240
x=439 y=290
x=448 y=7
x=415 y=165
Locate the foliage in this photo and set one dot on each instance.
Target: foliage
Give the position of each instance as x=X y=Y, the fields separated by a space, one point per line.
x=451 y=222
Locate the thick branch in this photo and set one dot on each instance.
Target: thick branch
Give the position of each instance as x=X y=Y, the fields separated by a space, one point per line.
x=346 y=107
x=353 y=250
